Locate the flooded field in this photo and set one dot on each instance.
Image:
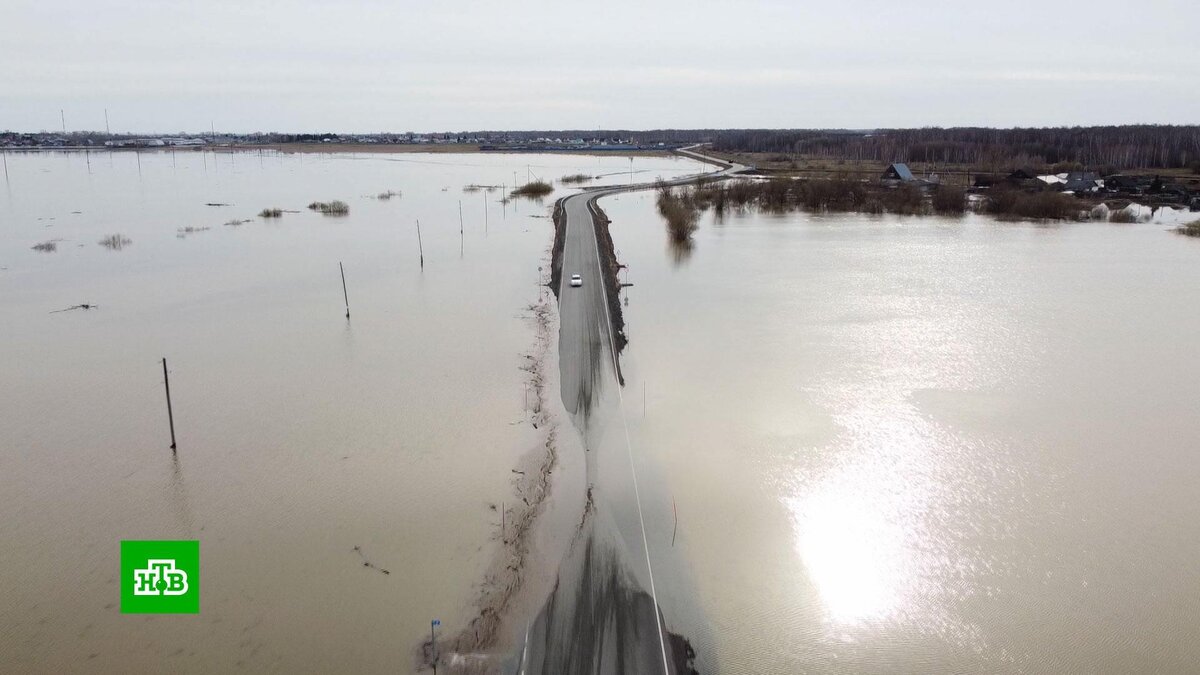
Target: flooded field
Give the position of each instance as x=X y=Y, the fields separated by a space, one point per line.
x=918 y=444
x=892 y=444
x=340 y=475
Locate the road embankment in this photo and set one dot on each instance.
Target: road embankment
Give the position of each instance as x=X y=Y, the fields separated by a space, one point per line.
x=610 y=266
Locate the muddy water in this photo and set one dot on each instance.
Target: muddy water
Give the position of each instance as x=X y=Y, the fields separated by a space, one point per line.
x=301 y=435
x=918 y=445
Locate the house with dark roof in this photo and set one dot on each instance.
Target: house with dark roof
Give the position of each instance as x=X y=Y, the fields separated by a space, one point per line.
x=1082 y=181
x=898 y=172
x=1022 y=175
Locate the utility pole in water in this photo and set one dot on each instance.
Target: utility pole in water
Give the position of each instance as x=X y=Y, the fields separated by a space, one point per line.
x=170 y=414
x=420 y=248
x=345 y=295
x=433 y=642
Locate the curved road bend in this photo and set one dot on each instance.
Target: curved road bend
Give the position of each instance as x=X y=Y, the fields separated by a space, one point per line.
x=599 y=618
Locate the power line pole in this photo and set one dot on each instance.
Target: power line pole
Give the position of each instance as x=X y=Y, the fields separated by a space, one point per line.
x=420 y=248
x=170 y=414
x=345 y=295
x=107 y=130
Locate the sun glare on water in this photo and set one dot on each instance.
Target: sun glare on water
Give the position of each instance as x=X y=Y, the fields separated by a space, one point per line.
x=858 y=525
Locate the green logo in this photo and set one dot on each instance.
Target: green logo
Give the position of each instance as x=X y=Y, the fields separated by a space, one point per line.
x=160 y=577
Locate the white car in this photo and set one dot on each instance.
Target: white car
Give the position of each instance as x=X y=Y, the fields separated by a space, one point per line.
x=576 y=280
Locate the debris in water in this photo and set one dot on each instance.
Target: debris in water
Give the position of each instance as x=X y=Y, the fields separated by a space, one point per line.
x=46 y=246
x=84 y=306
x=190 y=229
x=115 y=242
x=368 y=563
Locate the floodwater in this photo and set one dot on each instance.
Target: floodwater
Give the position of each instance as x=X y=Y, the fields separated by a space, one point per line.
x=917 y=444
x=301 y=435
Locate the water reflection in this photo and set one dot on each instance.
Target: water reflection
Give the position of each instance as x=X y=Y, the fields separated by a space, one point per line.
x=680 y=250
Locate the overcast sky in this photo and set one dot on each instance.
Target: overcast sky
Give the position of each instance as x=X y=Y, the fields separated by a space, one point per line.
x=367 y=65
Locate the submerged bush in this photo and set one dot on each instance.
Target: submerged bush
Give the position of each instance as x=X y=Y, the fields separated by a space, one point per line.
x=575 y=178
x=46 y=247
x=1125 y=215
x=270 y=213
x=905 y=199
x=1192 y=229
x=115 y=242
x=333 y=208
x=1034 y=205
x=949 y=200
x=537 y=188
x=680 y=212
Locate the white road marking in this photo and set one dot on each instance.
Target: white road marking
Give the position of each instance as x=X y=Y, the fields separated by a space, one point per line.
x=629 y=448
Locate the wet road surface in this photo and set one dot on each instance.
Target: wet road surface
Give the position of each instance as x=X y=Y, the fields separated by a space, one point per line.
x=602 y=616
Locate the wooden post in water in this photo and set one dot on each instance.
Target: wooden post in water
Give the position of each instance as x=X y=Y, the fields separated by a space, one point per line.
x=503 y=522
x=5 y=155
x=676 y=530
x=170 y=413
x=345 y=295
x=420 y=248
x=461 y=239
x=433 y=643
x=485 y=223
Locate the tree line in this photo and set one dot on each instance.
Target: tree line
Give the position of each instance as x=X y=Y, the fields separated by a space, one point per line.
x=1124 y=147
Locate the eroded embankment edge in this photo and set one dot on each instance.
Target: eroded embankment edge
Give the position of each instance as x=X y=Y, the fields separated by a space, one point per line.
x=477 y=647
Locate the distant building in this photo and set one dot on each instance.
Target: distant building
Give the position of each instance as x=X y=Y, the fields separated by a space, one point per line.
x=1022 y=175
x=897 y=172
x=1082 y=181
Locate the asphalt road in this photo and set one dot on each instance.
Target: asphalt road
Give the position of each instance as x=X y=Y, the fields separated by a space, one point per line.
x=601 y=617
x=585 y=331
x=584 y=335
